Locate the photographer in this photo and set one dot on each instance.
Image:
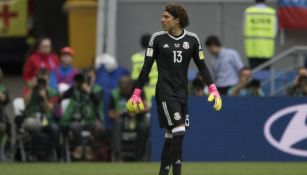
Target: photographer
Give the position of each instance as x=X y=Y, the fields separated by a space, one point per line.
x=83 y=112
x=37 y=120
x=246 y=86
x=122 y=120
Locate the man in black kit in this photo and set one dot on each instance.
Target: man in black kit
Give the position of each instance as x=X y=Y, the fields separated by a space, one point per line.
x=173 y=49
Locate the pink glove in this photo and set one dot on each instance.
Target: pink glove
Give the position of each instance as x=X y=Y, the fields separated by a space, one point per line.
x=135 y=102
x=214 y=94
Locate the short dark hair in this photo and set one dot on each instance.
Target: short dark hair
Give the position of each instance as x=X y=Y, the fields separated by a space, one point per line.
x=145 y=40
x=213 y=41
x=259 y=1
x=245 y=68
x=178 y=11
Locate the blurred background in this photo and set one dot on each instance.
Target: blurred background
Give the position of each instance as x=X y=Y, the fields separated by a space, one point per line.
x=68 y=67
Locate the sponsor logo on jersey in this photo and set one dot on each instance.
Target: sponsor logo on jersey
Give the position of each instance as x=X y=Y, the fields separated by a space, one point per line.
x=186 y=45
x=149 y=52
x=165 y=46
x=177 y=116
x=177 y=45
x=201 y=55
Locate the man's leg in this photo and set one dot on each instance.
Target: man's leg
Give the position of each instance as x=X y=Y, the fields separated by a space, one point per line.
x=166 y=155
x=117 y=138
x=176 y=146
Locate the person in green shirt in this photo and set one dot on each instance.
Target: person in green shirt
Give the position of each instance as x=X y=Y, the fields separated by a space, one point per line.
x=127 y=122
x=40 y=100
x=83 y=112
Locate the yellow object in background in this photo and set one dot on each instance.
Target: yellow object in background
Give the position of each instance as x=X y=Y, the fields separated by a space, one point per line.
x=13 y=18
x=82 y=15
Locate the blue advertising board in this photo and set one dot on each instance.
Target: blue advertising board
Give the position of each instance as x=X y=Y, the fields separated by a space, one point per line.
x=246 y=129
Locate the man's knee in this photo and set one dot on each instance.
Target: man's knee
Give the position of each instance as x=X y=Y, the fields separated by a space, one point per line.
x=75 y=126
x=178 y=131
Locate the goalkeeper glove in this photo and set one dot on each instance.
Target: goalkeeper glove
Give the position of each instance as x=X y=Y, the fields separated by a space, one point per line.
x=135 y=103
x=214 y=95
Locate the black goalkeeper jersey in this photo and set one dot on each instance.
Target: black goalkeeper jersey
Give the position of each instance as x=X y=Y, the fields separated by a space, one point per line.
x=173 y=56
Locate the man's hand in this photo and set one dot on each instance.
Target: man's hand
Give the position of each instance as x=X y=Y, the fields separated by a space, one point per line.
x=43 y=93
x=86 y=88
x=214 y=95
x=135 y=103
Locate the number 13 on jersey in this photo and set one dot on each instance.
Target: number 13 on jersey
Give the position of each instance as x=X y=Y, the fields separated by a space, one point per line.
x=177 y=56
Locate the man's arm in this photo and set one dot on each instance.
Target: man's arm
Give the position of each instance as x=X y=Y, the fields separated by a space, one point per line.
x=143 y=76
x=199 y=60
x=150 y=55
x=135 y=102
x=68 y=94
x=199 y=57
x=236 y=61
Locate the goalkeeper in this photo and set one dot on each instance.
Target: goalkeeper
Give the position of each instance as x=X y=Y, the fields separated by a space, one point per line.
x=172 y=49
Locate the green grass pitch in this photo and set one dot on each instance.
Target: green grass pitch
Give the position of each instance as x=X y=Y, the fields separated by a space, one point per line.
x=207 y=168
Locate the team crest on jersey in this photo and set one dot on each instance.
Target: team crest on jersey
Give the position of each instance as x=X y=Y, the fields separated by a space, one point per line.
x=177 y=116
x=186 y=45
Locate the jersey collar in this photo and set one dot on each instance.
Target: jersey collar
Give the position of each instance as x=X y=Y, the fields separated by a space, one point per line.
x=177 y=38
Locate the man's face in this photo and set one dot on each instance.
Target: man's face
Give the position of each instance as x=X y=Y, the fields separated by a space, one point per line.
x=125 y=85
x=168 y=21
x=302 y=72
x=66 y=59
x=92 y=76
x=45 y=46
x=245 y=75
x=214 y=50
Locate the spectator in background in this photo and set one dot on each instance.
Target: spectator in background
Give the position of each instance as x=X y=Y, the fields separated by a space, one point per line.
x=84 y=112
x=198 y=87
x=299 y=89
x=4 y=100
x=65 y=72
x=122 y=120
x=260 y=29
x=108 y=75
x=302 y=71
x=226 y=65
x=40 y=100
x=40 y=57
x=137 y=60
x=246 y=86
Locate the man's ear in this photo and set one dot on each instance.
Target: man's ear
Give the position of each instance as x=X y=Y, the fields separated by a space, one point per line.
x=177 y=20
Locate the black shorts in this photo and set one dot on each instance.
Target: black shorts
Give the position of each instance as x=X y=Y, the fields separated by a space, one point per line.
x=171 y=114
